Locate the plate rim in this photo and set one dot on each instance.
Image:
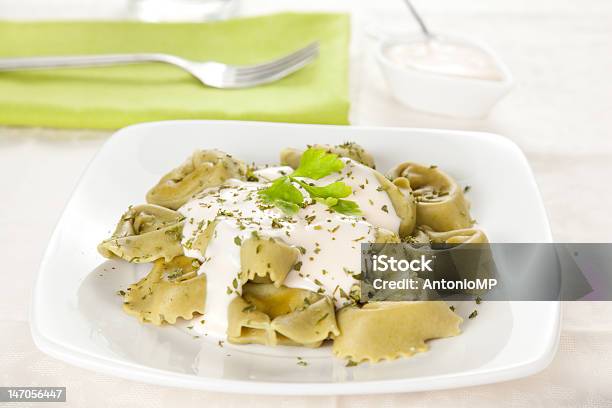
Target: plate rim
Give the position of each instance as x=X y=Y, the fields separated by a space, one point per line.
x=430 y=383
x=142 y=373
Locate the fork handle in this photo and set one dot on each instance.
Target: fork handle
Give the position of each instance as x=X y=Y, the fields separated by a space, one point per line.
x=27 y=63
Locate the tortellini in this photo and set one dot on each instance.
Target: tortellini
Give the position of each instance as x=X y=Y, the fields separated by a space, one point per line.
x=460 y=236
x=266 y=257
x=171 y=290
x=467 y=255
x=426 y=235
x=291 y=157
x=400 y=194
x=440 y=203
x=145 y=233
x=309 y=325
x=388 y=330
x=384 y=236
x=270 y=315
x=204 y=169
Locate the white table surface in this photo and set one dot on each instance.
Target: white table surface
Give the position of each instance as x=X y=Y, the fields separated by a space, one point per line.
x=559 y=113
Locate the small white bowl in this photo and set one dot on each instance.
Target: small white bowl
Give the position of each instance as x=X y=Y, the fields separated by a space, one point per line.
x=443 y=94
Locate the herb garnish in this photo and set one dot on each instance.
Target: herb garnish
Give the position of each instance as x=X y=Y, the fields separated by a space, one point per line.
x=322 y=318
x=314 y=164
x=317 y=163
x=249 y=308
x=283 y=194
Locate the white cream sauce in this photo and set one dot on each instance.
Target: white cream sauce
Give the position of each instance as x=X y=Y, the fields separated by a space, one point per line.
x=446 y=58
x=330 y=241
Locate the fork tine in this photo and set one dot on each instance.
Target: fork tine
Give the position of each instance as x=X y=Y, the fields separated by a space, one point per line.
x=281 y=62
x=272 y=71
x=287 y=67
x=270 y=76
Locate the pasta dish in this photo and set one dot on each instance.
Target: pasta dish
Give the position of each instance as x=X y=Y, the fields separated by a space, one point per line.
x=270 y=255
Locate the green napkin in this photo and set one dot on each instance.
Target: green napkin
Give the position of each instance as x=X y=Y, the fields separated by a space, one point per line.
x=112 y=97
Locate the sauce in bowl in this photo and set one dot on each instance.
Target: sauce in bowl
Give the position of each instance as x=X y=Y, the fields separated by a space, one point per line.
x=445 y=57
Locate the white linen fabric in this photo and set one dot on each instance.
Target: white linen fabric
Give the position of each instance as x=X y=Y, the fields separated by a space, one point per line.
x=558 y=113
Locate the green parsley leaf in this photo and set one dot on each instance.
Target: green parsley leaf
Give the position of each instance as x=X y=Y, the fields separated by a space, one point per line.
x=316 y=164
x=331 y=195
x=329 y=201
x=335 y=190
x=346 y=207
x=287 y=207
x=282 y=189
x=284 y=195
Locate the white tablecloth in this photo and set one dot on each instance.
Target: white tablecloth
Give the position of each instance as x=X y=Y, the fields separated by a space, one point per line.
x=560 y=114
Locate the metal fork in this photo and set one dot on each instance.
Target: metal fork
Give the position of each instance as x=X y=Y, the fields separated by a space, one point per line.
x=211 y=73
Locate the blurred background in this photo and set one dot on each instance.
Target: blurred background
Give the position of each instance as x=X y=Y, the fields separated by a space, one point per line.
x=558 y=52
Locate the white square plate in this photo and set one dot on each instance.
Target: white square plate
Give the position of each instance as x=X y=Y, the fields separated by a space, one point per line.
x=77 y=316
